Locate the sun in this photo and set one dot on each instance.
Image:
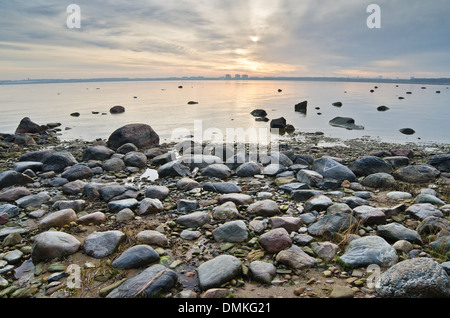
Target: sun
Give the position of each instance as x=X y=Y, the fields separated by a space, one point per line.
x=254 y=38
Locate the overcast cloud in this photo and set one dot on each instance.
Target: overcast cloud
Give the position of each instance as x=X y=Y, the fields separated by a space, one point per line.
x=156 y=38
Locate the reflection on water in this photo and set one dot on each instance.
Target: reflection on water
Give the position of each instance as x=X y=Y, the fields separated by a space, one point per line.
x=226 y=105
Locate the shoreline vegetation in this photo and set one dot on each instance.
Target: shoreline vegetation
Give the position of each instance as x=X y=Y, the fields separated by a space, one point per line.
x=412 y=80
x=126 y=217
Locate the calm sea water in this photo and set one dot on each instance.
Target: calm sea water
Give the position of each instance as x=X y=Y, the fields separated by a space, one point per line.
x=227 y=104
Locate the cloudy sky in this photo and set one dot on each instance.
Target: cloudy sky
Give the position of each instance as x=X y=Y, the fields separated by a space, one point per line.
x=160 y=38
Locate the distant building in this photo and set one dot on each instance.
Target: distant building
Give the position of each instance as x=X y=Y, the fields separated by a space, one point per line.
x=237 y=76
x=244 y=76
x=227 y=76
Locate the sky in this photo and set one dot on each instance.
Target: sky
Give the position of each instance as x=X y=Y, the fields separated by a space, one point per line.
x=211 y=38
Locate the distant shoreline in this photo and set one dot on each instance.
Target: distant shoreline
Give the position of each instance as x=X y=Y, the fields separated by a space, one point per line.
x=423 y=81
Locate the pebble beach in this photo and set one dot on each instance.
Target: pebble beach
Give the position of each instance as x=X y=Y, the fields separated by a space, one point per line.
x=129 y=217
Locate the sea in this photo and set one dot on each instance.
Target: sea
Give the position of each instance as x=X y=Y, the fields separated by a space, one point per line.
x=222 y=108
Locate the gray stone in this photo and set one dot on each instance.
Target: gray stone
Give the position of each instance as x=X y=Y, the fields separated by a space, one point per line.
x=74 y=187
x=248 y=169
x=262 y=272
x=291 y=224
x=428 y=198
x=157 y=192
x=369 y=215
x=190 y=235
x=296 y=258
x=135 y=159
x=379 y=180
x=52 y=244
x=58 y=219
x=325 y=250
x=225 y=211
x=433 y=225
x=318 y=203
x=217 y=271
x=152 y=282
x=397 y=161
x=152 y=237
x=78 y=171
x=184 y=205
x=332 y=169
x=10 y=209
x=10 y=178
x=221 y=187
x=236 y=198
x=309 y=177
x=399 y=195
x=194 y=220
x=414 y=278
x=200 y=161
x=135 y=257
x=21 y=166
x=233 y=232
x=141 y=135
x=95 y=218
x=117 y=192
x=370 y=165
x=12 y=194
x=440 y=162
x=264 y=208
x=114 y=164
x=273 y=169
x=187 y=184
x=423 y=210
x=97 y=153
x=369 y=250
x=173 y=169
x=102 y=244
x=303 y=195
x=116 y=206
x=394 y=231
x=76 y=205
x=417 y=173
x=217 y=170
x=58 y=161
x=33 y=200
x=126 y=148
x=333 y=223
x=150 y=206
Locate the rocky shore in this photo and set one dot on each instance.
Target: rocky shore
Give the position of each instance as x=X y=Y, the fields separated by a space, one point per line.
x=130 y=217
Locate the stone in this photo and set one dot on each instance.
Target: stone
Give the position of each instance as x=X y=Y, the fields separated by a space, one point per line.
x=428 y=198
x=265 y=208
x=10 y=209
x=414 y=278
x=27 y=126
x=76 y=205
x=221 y=187
x=421 y=173
x=232 y=231
x=135 y=159
x=338 y=207
x=58 y=161
x=217 y=170
x=194 y=220
x=237 y=198
x=200 y=161
x=152 y=237
x=278 y=123
x=379 y=180
x=135 y=257
x=33 y=200
x=399 y=195
x=325 y=250
x=173 y=169
x=248 y=169
x=369 y=250
x=403 y=246
x=225 y=211
x=440 y=162
x=152 y=282
x=345 y=122
x=304 y=195
x=218 y=271
x=150 y=206
x=53 y=244
x=114 y=164
x=332 y=169
x=141 y=135
x=423 y=210
x=11 y=178
x=98 y=152
x=187 y=184
x=342 y=292
x=262 y=272
x=21 y=166
x=370 y=165
x=102 y=244
x=190 y=235
x=257 y=226
x=333 y=223
x=95 y=218
x=116 y=206
x=296 y=258
x=275 y=240
x=433 y=225
x=124 y=215
x=309 y=177
x=369 y=215
x=184 y=205
x=397 y=161
x=259 y=113
x=301 y=107
x=12 y=194
x=291 y=224
x=273 y=169
x=318 y=203
x=78 y=171
x=58 y=219
x=354 y=201
x=126 y=148
x=395 y=231
x=157 y=192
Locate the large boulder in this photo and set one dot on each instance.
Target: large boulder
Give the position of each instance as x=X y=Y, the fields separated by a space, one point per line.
x=141 y=135
x=26 y=126
x=440 y=162
x=369 y=165
x=10 y=178
x=53 y=244
x=421 y=173
x=332 y=169
x=58 y=161
x=414 y=278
